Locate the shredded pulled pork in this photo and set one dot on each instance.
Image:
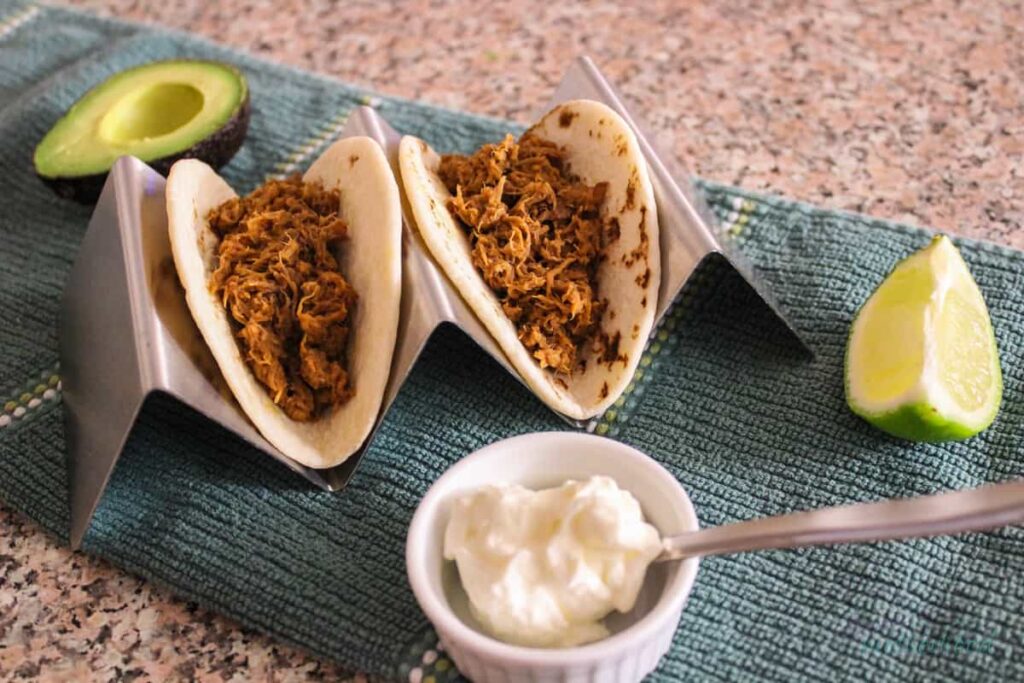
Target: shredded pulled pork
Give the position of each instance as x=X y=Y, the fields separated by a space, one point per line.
x=536 y=235
x=280 y=282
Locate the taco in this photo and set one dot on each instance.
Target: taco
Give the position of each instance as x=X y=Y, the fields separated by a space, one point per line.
x=295 y=288
x=552 y=240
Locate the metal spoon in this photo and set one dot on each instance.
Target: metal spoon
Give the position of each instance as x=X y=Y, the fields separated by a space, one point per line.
x=979 y=509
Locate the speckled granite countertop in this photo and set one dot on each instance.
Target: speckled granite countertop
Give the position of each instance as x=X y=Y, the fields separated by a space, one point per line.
x=904 y=110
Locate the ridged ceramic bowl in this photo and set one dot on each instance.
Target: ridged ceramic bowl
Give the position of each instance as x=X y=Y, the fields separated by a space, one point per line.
x=639 y=638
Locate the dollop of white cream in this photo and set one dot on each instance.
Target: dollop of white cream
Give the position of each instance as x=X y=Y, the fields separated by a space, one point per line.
x=542 y=568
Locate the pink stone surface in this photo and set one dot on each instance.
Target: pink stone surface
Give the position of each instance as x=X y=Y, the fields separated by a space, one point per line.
x=912 y=111
x=68 y=617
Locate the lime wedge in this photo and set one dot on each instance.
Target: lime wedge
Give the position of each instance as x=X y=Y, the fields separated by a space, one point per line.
x=921 y=359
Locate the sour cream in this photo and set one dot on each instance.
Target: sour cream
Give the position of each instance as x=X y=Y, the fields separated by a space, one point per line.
x=542 y=568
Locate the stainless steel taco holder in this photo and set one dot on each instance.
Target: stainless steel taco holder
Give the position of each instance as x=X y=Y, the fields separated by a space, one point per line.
x=125 y=331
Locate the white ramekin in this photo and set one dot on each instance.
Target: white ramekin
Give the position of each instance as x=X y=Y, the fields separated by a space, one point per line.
x=539 y=461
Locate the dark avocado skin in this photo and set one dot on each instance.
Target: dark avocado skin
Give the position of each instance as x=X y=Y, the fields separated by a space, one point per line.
x=216 y=150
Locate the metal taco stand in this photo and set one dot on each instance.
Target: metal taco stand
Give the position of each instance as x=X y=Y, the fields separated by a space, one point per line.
x=126 y=332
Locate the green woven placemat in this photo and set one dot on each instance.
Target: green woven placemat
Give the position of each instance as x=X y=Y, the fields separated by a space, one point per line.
x=724 y=400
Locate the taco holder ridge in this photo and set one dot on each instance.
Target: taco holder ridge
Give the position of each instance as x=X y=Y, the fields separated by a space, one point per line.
x=123 y=279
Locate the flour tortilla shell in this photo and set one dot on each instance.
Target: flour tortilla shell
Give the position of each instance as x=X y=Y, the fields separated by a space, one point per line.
x=599 y=147
x=370 y=261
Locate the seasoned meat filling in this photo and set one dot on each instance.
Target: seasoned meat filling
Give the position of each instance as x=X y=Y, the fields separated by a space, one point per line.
x=290 y=306
x=537 y=236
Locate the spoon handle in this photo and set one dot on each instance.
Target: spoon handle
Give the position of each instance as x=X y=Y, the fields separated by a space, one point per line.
x=986 y=507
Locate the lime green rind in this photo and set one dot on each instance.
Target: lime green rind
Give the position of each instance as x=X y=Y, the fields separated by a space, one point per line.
x=920 y=421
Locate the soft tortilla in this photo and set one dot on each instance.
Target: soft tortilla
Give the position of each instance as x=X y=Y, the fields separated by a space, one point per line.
x=371 y=262
x=600 y=147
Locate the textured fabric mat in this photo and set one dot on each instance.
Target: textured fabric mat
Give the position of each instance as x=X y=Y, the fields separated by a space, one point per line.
x=724 y=399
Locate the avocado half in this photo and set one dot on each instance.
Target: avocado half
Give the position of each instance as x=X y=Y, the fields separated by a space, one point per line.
x=159 y=112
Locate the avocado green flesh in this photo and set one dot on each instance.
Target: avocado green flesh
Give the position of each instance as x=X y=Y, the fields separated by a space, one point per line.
x=153 y=111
